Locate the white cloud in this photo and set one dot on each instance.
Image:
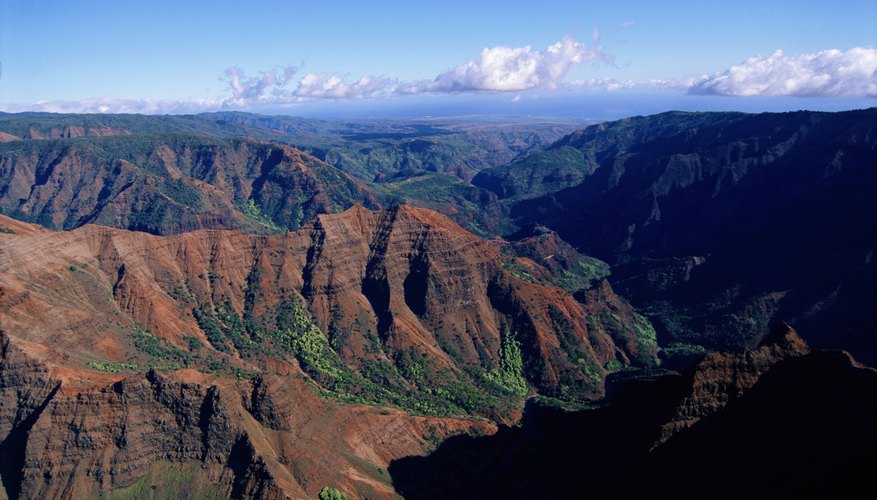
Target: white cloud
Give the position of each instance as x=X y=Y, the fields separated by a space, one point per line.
x=614 y=84
x=507 y=69
x=111 y=105
x=607 y=84
x=320 y=85
x=829 y=73
x=627 y=24
x=497 y=69
x=247 y=89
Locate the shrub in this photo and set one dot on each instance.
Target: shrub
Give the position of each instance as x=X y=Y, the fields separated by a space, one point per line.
x=510 y=375
x=112 y=366
x=328 y=493
x=253 y=211
x=297 y=333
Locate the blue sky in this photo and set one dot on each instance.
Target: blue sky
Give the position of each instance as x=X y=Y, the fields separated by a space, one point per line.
x=418 y=57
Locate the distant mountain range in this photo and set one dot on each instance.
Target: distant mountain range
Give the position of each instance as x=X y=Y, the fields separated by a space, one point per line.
x=364 y=148
x=170 y=174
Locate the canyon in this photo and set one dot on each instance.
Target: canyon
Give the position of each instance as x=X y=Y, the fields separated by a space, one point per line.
x=123 y=350
x=235 y=305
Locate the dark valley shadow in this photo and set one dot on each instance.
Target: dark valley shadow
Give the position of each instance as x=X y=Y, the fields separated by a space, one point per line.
x=806 y=427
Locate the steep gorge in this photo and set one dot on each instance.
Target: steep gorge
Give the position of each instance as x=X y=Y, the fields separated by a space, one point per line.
x=221 y=350
x=720 y=225
x=778 y=421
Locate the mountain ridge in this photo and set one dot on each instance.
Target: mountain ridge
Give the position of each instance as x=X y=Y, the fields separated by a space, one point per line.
x=409 y=276
x=265 y=296
x=170 y=184
x=719 y=225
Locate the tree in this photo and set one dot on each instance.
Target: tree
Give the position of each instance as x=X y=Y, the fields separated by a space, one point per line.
x=328 y=493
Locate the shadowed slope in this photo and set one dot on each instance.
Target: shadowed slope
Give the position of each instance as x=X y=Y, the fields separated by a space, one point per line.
x=778 y=421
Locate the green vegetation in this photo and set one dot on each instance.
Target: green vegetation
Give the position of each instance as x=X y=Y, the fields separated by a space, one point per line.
x=591 y=371
x=222 y=324
x=194 y=343
x=536 y=174
x=582 y=274
x=6 y=230
x=572 y=346
x=640 y=327
x=566 y=267
x=328 y=493
x=253 y=211
x=510 y=375
x=517 y=270
x=647 y=340
x=159 y=214
x=297 y=333
x=235 y=328
x=171 y=480
x=614 y=365
x=206 y=319
x=112 y=366
x=182 y=193
x=566 y=404
x=425 y=163
x=159 y=354
x=410 y=381
x=244 y=374
x=473 y=208
x=157 y=348
x=682 y=349
x=674 y=322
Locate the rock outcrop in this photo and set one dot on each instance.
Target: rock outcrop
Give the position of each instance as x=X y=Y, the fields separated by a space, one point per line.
x=126 y=355
x=721 y=377
x=383 y=285
x=77 y=433
x=779 y=421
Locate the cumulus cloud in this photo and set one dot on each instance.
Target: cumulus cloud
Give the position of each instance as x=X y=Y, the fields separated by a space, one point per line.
x=247 y=89
x=614 y=84
x=496 y=69
x=321 y=85
x=508 y=69
x=829 y=73
x=607 y=84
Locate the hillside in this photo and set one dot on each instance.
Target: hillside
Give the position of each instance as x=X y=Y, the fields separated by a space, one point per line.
x=170 y=183
x=362 y=148
x=227 y=349
x=720 y=224
x=371 y=149
x=748 y=416
x=172 y=174
x=203 y=306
